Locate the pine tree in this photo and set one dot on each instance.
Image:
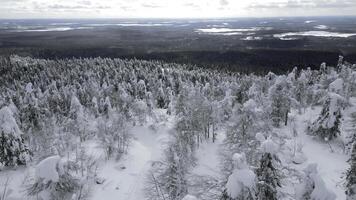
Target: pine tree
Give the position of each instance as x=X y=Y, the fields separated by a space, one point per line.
x=351 y=175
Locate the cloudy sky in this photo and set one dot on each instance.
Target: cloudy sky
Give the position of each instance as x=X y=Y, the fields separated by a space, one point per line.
x=172 y=8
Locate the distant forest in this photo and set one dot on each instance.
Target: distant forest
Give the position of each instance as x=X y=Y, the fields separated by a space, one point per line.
x=259 y=61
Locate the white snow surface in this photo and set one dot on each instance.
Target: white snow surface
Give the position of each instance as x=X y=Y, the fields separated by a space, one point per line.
x=321 y=27
x=320 y=191
x=226 y=30
x=331 y=161
x=126 y=179
x=336 y=86
x=189 y=197
x=315 y=34
x=269 y=146
x=238 y=180
x=47 y=169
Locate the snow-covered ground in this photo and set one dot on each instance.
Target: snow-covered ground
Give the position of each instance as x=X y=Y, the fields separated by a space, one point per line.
x=330 y=158
x=126 y=179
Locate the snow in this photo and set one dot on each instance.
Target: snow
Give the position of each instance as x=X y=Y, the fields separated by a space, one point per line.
x=238 y=180
x=28 y=88
x=260 y=137
x=269 y=146
x=242 y=177
x=322 y=27
x=249 y=38
x=309 y=21
x=336 y=86
x=331 y=164
x=189 y=197
x=126 y=179
x=226 y=30
x=320 y=191
x=47 y=169
x=208 y=162
x=315 y=34
x=51 y=29
x=231 y=31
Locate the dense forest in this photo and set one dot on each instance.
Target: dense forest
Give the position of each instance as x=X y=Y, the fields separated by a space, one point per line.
x=266 y=136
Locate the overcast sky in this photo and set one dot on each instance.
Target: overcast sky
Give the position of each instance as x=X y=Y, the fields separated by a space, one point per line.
x=172 y=8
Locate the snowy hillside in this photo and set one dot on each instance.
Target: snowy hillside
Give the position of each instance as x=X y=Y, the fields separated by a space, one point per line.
x=100 y=128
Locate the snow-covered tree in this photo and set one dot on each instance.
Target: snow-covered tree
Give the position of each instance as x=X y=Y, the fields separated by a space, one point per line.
x=54 y=180
x=327 y=125
x=13 y=149
x=267 y=173
x=245 y=122
x=174 y=177
x=242 y=182
x=78 y=123
x=281 y=101
x=139 y=110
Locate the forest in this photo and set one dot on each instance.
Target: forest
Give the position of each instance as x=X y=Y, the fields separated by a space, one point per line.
x=103 y=128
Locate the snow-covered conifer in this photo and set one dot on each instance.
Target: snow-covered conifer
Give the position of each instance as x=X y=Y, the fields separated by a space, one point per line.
x=281 y=101
x=13 y=149
x=267 y=173
x=327 y=125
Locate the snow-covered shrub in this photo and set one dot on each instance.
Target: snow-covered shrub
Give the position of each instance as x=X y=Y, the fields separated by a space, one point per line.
x=241 y=183
x=13 y=149
x=312 y=186
x=54 y=180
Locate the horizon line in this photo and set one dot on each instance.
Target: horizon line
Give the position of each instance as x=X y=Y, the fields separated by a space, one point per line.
x=181 y=18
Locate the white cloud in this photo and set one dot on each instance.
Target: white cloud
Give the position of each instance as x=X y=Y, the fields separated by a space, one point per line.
x=172 y=8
